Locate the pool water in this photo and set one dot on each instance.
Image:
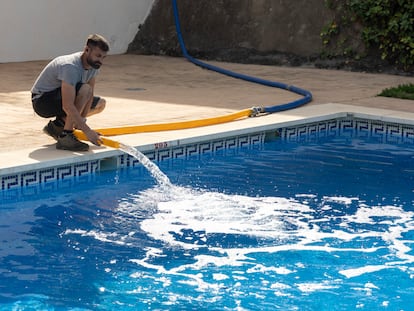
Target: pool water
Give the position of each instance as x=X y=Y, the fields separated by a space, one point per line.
x=319 y=224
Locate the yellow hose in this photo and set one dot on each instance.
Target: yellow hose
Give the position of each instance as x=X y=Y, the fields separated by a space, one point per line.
x=105 y=141
x=173 y=126
x=160 y=127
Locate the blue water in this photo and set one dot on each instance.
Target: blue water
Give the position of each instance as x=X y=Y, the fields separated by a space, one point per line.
x=322 y=224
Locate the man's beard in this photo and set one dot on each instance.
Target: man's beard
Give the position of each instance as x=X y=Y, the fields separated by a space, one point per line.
x=94 y=65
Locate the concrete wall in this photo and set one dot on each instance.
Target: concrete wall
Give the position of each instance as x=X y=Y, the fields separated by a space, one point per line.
x=43 y=29
x=209 y=26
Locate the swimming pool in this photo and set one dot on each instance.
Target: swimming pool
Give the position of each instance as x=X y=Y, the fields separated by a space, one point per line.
x=321 y=220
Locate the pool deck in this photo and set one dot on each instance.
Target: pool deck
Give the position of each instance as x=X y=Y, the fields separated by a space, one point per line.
x=153 y=89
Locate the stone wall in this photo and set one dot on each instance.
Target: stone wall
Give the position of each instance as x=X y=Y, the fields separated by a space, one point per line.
x=238 y=27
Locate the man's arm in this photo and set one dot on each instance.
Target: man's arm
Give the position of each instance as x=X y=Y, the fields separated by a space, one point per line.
x=73 y=116
x=69 y=107
x=91 y=82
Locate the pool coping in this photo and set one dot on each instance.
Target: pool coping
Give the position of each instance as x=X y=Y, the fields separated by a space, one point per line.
x=21 y=168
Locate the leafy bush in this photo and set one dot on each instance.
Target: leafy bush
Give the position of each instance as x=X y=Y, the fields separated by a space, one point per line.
x=387 y=25
x=403 y=91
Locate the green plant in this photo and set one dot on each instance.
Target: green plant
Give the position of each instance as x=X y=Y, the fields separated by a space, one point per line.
x=337 y=36
x=328 y=32
x=403 y=91
x=387 y=25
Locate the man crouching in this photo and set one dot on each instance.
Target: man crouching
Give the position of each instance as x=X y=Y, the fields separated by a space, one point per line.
x=65 y=90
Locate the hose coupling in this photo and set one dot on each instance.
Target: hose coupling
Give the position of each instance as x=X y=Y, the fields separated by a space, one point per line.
x=255 y=111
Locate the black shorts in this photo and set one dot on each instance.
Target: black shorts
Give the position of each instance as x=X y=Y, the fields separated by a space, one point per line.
x=50 y=104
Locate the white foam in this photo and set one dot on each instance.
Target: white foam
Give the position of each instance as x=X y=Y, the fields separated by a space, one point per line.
x=259 y=268
x=187 y=218
x=99 y=235
x=312 y=287
x=219 y=276
x=211 y=212
x=350 y=273
x=340 y=199
x=280 y=286
x=367 y=214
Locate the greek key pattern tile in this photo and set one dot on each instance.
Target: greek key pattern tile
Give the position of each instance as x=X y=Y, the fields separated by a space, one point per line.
x=194 y=149
x=349 y=127
x=43 y=176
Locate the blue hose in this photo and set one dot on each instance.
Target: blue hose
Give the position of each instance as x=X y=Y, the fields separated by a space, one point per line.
x=307 y=96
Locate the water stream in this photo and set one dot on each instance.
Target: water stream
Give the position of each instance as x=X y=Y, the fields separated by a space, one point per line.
x=152 y=168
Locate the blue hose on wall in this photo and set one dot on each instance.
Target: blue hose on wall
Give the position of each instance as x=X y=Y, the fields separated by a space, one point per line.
x=307 y=96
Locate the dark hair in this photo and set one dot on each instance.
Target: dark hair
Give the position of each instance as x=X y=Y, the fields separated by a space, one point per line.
x=97 y=41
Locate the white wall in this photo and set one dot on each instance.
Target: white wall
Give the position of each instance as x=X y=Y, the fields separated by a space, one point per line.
x=43 y=29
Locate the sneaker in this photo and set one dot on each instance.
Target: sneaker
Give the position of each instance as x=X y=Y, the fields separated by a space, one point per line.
x=70 y=142
x=53 y=130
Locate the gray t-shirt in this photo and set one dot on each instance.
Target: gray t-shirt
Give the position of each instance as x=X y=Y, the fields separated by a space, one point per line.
x=66 y=68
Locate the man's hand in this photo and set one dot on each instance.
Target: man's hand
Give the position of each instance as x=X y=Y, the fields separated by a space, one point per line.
x=94 y=137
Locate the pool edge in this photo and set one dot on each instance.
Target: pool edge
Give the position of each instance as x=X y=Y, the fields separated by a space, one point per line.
x=58 y=165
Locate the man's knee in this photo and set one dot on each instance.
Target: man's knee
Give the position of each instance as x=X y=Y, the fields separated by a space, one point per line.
x=100 y=106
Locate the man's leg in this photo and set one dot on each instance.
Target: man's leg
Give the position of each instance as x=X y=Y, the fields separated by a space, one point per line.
x=47 y=106
x=86 y=103
x=67 y=140
x=83 y=102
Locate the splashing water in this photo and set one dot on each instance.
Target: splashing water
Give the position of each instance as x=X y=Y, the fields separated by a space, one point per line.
x=201 y=244
x=152 y=168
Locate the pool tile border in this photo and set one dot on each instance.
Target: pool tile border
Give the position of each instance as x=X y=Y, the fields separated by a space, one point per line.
x=48 y=174
x=383 y=130
x=44 y=178
x=194 y=149
x=82 y=169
